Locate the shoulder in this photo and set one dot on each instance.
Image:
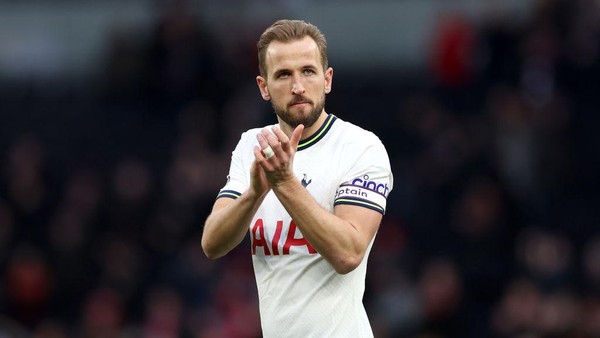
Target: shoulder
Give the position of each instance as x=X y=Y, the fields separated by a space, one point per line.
x=249 y=135
x=356 y=136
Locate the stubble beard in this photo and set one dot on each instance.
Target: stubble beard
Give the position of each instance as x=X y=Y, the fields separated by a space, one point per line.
x=294 y=120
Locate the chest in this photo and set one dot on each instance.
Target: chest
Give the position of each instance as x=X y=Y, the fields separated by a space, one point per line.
x=273 y=232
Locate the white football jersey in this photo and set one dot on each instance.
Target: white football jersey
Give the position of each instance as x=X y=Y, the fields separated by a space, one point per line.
x=300 y=293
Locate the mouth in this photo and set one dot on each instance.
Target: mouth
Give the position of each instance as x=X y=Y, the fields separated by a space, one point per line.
x=298 y=103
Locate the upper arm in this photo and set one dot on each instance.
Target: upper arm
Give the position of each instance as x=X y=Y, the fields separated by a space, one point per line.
x=364 y=220
x=362 y=197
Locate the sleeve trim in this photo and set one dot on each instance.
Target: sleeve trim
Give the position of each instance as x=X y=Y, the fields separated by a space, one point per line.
x=229 y=194
x=360 y=203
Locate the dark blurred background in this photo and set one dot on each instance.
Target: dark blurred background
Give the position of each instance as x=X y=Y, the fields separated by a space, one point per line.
x=118 y=118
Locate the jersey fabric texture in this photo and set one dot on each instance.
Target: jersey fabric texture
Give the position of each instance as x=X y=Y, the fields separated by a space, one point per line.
x=300 y=293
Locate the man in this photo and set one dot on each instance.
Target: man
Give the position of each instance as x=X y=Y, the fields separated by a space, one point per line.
x=311 y=190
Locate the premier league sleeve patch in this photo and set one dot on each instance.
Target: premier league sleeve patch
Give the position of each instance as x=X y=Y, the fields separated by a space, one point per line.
x=365 y=192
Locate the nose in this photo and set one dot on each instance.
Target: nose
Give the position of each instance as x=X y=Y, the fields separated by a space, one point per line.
x=297 y=87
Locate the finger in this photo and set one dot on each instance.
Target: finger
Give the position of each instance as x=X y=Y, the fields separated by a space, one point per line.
x=296 y=135
x=283 y=138
x=258 y=154
x=260 y=157
x=262 y=141
x=265 y=147
x=271 y=139
x=274 y=144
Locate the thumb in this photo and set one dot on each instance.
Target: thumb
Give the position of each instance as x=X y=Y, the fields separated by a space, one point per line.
x=296 y=135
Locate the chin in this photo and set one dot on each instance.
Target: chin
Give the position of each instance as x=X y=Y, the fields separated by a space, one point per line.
x=295 y=116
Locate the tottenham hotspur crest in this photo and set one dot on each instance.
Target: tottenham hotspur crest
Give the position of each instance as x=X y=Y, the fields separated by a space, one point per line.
x=306 y=181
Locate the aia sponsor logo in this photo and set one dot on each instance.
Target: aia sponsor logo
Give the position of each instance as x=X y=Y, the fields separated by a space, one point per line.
x=277 y=245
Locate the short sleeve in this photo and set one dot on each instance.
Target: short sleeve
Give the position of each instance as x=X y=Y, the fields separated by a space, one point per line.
x=369 y=180
x=237 y=178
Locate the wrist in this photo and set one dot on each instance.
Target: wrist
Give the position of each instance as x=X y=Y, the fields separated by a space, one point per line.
x=255 y=196
x=288 y=183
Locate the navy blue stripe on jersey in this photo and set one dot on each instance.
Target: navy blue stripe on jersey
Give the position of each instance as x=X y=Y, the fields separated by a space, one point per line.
x=319 y=134
x=361 y=203
x=229 y=194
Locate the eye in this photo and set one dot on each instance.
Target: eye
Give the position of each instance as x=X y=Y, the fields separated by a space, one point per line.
x=283 y=75
x=309 y=71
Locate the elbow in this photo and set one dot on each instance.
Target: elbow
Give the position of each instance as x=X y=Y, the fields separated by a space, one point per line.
x=210 y=251
x=347 y=264
x=211 y=255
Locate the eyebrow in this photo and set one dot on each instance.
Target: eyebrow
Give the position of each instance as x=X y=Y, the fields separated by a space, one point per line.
x=280 y=71
x=284 y=70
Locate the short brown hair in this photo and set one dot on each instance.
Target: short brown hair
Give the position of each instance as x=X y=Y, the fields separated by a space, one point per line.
x=289 y=30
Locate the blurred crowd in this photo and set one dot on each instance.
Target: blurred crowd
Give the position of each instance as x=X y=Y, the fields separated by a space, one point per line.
x=492 y=229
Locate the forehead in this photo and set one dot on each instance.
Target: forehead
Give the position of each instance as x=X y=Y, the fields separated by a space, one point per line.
x=292 y=54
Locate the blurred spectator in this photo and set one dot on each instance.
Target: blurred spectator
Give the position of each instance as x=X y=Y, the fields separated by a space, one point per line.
x=558 y=315
x=164 y=314
x=26 y=188
x=454 y=51
x=24 y=174
x=50 y=329
x=590 y=317
x=7 y=224
x=545 y=257
x=28 y=284
x=591 y=266
x=441 y=291
x=183 y=61
x=103 y=315
x=514 y=141
x=516 y=312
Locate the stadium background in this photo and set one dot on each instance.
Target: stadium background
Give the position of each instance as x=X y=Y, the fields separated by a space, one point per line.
x=117 y=119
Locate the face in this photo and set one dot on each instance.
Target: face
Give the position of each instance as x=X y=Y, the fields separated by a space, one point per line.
x=296 y=83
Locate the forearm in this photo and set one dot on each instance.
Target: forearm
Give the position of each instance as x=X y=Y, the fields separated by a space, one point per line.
x=227 y=225
x=336 y=239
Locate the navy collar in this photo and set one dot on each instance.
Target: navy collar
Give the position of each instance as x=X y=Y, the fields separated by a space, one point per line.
x=319 y=134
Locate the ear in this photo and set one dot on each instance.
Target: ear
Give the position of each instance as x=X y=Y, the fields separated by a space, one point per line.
x=262 y=86
x=328 y=80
